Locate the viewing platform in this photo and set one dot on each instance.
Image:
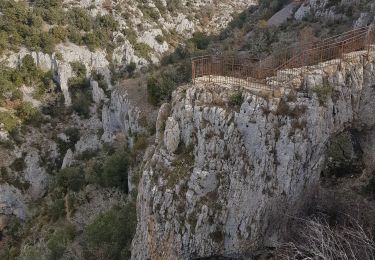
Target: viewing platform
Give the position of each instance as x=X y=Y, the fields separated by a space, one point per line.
x=287 y=67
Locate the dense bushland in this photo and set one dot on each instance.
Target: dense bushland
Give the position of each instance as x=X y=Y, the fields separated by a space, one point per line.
x=24 y=24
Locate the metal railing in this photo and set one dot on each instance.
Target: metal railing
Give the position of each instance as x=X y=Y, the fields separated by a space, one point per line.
x=281 y=68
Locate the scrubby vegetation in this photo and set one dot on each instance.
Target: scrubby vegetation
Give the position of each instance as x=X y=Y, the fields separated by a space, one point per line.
x=342 y=159
x=236 y=99
x=27 y=73
x=107 y=236
x=51 y=230
x=112 y=171
x=322 y=92
x=24 y=26
x=333 y=228
x=111 y=233
x=80 y=90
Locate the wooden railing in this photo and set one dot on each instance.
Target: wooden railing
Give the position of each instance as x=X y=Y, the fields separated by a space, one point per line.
x=234 y=71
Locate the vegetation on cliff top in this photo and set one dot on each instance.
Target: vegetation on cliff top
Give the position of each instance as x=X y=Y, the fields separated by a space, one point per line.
x=40 y=25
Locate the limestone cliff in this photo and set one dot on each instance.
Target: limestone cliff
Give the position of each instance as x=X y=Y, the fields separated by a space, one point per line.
x=340 y=11
x=157 y=26
x=229 y=171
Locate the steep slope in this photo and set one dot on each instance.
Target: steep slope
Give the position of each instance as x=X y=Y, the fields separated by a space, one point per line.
x=71 y=137
x=226 y=174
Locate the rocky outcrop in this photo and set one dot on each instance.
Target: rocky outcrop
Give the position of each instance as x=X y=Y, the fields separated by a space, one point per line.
x=119 y=116
x=4 y=135
x=239 y=172
x=172 y=135
x=12 y=202
x=35 y=175
x=340 y=11
x=162 y=117
x=98 y=94
x=93 y=61
x=318 y=9
x=68 y=158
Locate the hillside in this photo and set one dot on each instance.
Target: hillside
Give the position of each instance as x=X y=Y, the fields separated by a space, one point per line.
x=109 y=151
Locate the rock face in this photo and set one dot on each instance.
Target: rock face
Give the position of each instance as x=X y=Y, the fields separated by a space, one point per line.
x=12 y=202
x=163 y=114
x=98 y=94
x=151 y=31
x=340 y=11
x=172 y=135
x=35 y=175
x=119 y=116
x=93 y=61
x=240 y=170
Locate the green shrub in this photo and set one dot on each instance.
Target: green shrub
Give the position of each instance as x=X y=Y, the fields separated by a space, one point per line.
x=74 y=35
x=81 y=102
x=341 y=158
x=3 y=42
x=92 y=41
x=111 y=233
x=217 y=236
x=201 y=40
x=159 y=88
x=173 y=5
x=140 y=143
x=9 y=120
x=73 y=137
x=162 y=83
x=322 y=92
x=18 y=164
x=115 y=171
x=71 y=178
x=47 y=42
x=14 y=228
x=59 y=56
x=236 y=99
x=79 y=69
x=59 y=240
x=79 y=87
x=56 y=209
x=131 y=36
x=11 y=178
x=80 y=18
x=131 y=67
x=59 y=33
x=149 y=12
x=26 y=111
x=28 y=73
x=142 y=50
x=106 y=22
x=160 y=39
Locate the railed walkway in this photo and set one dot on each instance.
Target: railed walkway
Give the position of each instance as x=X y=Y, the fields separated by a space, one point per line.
x=281 y=69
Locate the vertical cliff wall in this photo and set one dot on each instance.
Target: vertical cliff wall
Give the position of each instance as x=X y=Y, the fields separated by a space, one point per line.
x=228 y=170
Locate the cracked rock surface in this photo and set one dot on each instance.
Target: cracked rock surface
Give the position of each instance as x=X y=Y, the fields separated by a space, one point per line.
x=223 y=174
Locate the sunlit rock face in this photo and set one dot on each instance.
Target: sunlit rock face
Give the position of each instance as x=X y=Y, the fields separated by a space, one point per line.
x=238 y=171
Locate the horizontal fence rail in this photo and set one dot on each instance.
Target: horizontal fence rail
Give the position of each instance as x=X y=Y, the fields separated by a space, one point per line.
x=281 y=68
